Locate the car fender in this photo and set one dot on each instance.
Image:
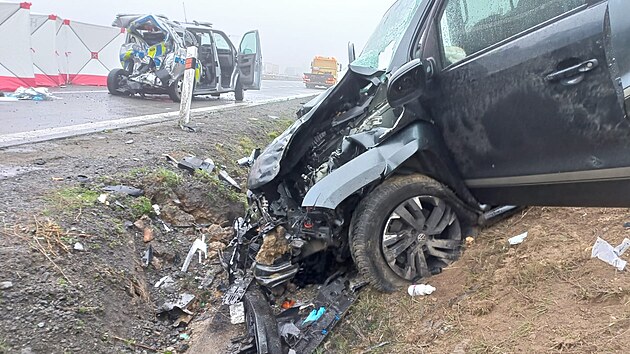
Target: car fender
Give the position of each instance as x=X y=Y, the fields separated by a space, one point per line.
x=417 y=148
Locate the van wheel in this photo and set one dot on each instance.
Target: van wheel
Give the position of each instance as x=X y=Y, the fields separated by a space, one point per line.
x=175 y=90
x=405 y=230
x=239 y=94
x=114 y=80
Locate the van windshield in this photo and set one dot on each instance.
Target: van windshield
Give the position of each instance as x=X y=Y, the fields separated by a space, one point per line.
x=382 y=45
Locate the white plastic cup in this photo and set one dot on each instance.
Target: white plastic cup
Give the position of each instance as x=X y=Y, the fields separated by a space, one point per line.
x=420 y=290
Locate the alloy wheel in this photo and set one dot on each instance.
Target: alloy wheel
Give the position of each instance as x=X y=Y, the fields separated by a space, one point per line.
x=421 y=236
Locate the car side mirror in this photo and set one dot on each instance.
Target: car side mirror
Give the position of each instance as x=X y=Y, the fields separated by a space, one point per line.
x=409 y=82
x=351 y=53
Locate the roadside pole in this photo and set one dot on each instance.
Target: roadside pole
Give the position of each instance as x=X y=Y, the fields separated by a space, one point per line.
x=187 y=87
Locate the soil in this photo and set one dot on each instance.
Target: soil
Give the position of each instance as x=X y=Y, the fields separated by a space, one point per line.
x=78 y=281
x=544 y=295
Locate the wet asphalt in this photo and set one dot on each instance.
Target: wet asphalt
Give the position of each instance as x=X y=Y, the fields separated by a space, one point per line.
x=83 y=104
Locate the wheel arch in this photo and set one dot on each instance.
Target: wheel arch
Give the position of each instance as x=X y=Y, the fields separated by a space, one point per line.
x=417 y=149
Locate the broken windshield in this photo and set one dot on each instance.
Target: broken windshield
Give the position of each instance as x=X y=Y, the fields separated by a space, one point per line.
x=382 y=45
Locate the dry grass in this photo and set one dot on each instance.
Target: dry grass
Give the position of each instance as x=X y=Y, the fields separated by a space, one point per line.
x=545 y=295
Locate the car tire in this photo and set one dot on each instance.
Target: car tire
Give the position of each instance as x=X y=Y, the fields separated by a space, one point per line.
x=113 y=81
x=175 y=90
x=391 y=250
x=239 y=93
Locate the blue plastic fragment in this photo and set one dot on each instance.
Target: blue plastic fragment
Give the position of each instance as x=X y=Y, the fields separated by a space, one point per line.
x=314 y=315
x=324 y=332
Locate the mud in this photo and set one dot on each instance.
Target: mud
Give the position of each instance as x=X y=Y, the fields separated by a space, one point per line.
x=103 y=299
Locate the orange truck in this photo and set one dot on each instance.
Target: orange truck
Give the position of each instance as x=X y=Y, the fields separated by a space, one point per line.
x=324 y=71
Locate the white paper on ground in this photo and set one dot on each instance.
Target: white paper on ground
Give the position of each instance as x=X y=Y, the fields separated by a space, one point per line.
x=237 y=313
x=518 y=239
x=605 y=252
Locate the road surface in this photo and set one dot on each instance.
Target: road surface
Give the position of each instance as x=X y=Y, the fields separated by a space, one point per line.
x=80 y=105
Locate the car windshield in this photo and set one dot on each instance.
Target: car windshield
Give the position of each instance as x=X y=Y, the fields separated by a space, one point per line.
x=382 y=45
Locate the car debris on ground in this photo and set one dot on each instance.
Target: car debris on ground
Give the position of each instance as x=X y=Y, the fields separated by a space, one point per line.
x=517 y=240
x=131 y=191
x=32 y=93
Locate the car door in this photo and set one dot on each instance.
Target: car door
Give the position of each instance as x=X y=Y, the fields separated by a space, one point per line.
x=250 y=61
x=528 y=101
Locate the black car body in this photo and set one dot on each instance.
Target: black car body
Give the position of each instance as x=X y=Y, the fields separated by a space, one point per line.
x=454 y=109
x=154 y=54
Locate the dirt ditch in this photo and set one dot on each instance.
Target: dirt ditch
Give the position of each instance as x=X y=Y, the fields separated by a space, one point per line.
x=78 y=265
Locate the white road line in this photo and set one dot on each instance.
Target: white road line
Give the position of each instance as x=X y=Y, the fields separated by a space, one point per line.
x=88 y=128
x=76 y=92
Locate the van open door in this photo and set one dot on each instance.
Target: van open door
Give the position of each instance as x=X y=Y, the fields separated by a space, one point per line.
x=250 y=61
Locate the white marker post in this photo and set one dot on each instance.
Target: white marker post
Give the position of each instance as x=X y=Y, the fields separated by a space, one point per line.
x=187 y=87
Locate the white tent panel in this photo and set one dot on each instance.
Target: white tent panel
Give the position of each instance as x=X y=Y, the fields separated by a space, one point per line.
x=91 y=51
x=43 y=40
x=16 y=64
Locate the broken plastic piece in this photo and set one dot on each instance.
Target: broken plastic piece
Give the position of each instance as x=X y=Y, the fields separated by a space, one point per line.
x=200 y=246
x=156 y=209
x=224 y=176
x=249 y=160
x=517 y=240
x=165 y=282
x=79 y=247
x=622 y=247
x=314 y=315
x=192 y=164
x=182 y=303
x=237 y=313
x=605 y=252
x=103 y=198
x=289 y=328
x=148 y=256
x=134 y=192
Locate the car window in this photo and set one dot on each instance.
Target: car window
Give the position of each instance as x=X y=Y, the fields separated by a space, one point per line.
x=204 y=38
x=249 y=44
x=221 y=41
x=468 y=26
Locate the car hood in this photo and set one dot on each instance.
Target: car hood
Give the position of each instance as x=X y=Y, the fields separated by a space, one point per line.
x=267 y=165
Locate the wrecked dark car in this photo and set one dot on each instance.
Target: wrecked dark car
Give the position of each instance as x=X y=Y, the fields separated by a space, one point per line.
x=456 y=112
x=153 y=59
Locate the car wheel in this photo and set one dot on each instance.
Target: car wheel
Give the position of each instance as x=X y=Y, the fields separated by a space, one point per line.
x=114 y=79
x=175 y=90
x=405 y=230
x=239 y=93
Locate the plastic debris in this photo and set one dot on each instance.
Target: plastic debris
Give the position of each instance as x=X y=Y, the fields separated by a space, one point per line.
x=605 y=252
x=184 y=336
x=622 y=247
x=192 y=164
x=32 y=93
x=156 y=209
x=224 y=176
x=165 y=282
x=289 y=328
x=79 y=247
x=314 y=315
x=517 y=240
x=470 y=240
x=182 y=304
x=148 y=256
x=103 y=198
x=249 y=160
x=6 y=285
x=8 y=99
x=420 y=290
x=131 y=191
x=237 y=313
x=287 y=304
x=198 y=246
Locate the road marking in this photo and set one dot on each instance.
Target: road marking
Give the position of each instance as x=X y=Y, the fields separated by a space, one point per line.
x=89 y=128
x=76 y=92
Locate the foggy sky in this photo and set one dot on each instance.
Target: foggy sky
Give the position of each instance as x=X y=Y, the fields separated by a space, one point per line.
x=292 y=31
